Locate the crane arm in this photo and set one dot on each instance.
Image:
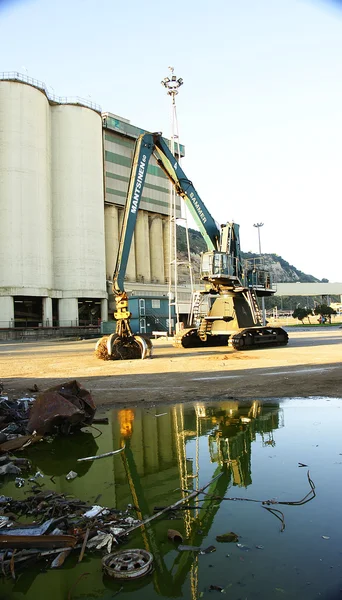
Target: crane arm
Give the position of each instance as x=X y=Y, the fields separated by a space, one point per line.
x=146 y=145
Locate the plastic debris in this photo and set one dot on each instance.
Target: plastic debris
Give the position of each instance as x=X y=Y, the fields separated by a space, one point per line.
x=242 y=547
x=208 y=550
x=4 y=521
x=325 y=537
x=9 y=469
x=216 y=588
x=95 y=511
x=71 y=475
x=36 y=476
x=19 y=482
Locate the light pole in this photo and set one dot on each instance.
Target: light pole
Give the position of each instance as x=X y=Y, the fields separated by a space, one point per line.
x=172 y=85
x=258 y=226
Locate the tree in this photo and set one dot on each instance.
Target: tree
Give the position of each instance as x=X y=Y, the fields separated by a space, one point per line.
x=302 y=313
x=325 y=312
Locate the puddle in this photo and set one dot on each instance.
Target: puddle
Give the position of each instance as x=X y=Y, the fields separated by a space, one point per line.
x=257 y=448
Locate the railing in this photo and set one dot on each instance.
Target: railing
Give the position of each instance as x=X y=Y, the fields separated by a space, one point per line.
x=15 y=76
x=29 y=324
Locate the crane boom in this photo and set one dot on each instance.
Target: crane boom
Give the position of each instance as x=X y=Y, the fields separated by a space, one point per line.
x=149 y=144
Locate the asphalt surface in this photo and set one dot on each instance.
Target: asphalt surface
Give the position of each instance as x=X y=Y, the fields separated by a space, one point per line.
x=310 y=365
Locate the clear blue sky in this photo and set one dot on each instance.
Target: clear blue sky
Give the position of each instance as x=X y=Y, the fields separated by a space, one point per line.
x=260 y=111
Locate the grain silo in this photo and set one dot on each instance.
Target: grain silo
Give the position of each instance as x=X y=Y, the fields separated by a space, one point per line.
x=77 y=207
x=25 y=225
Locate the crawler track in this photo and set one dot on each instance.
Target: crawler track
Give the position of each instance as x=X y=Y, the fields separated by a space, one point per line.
x=243 y=339
x=254 y=337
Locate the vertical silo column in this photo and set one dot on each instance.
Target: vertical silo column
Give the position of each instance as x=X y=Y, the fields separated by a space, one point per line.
x=111 y=237
x=6 y=311
x=104 y=309
x=142 y=248
x=130 y=269
x=157 y=249
x=166 y=237
x=68 y=312
x=47 y=312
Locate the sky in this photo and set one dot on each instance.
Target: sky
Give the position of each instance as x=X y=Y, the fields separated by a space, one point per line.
x=260 y=111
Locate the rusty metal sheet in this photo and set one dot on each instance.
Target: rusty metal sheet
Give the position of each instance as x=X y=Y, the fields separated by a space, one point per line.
x=37 y=541
x=19 y=442
x=63 y=407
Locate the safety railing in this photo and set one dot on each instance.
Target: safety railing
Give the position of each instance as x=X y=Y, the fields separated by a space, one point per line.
x=15 y=76
x=29 y=324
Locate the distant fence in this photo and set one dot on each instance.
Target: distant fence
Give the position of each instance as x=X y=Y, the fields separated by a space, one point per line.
x=41 y=333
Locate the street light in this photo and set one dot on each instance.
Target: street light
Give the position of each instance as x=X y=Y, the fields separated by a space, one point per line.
x=258 y=226
x=172 y=85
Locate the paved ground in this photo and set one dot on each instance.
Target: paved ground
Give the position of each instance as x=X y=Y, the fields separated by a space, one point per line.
x=311 y=365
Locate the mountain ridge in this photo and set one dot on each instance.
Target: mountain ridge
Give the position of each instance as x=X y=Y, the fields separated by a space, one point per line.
x=281 y=270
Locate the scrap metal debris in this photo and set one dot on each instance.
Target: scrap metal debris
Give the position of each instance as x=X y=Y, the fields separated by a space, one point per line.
x=71 y=475
x=59 y=410
x=174 y=535
x=128 y=564
x=62 y=408
x=65 y=525
x=101 y=455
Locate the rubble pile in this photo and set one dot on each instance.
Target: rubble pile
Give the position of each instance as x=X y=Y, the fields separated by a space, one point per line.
x=59 y=410
x=64 y=525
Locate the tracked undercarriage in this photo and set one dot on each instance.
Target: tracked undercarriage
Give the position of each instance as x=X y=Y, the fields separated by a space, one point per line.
x=241 y=339
x=230 y=318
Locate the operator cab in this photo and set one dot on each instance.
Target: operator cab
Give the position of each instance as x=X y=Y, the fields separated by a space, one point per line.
x=219 y=267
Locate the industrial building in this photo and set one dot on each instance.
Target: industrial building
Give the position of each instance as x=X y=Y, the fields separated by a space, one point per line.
x=64 y=170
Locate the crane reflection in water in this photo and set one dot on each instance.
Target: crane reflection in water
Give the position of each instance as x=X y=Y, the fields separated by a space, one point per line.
x=162 y=461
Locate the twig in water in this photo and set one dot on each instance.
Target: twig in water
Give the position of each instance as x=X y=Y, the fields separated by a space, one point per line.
x=102 y=455
x=274 y=512
x=97 y=429
x=76 y=582
x=168 y=508
x=309 y=496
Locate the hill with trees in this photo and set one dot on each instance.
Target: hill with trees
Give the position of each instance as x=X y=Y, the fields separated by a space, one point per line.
x=281 y=271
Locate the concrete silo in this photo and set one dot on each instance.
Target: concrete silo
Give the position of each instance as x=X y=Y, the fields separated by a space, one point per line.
x=25 y=200
x=77 y=208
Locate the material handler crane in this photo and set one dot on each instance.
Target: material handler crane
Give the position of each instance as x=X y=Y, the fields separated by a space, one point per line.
x=231 y=287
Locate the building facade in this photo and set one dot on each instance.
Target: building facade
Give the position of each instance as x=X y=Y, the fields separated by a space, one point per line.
x=64 y=171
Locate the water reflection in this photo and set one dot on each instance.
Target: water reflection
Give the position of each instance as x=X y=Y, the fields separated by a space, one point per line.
x=162 y=461
x=171 y=451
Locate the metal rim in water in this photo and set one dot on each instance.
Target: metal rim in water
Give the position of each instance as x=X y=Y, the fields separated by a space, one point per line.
x=128 y=564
